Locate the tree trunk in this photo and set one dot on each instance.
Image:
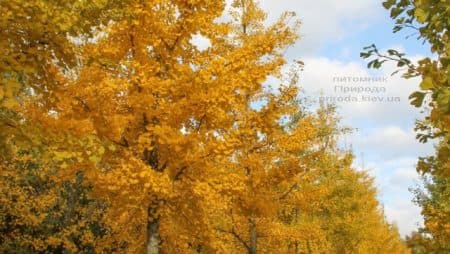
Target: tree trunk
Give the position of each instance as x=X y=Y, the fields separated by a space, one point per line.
x=253 y=238
x=296 y=222
x=153 y=239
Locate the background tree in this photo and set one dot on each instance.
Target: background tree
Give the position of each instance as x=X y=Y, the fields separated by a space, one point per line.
x=340 y=199
x=38 y=213
x=429 y=19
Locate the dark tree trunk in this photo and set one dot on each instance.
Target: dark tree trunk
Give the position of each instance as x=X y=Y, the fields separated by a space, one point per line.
x=153 y=239
x=253 y=238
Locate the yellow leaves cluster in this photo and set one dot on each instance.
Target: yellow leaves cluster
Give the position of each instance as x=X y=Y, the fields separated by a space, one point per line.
x=9 y=90
x=40 y=205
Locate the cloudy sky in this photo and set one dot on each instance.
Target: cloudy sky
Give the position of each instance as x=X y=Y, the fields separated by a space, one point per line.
x=333 y=34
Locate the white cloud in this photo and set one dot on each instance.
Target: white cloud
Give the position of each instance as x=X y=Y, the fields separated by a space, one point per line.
x=405 y=215
x=319 y=77
x=404 y=175
x=200 y=41
x=324 y=20
x=389 y=142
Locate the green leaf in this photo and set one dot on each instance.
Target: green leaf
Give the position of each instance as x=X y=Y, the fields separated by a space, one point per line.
x=395 y=12
x=392 y=52
x=377 y=64
x=369 y=47
x=417 y=98
x=388 y=4
x=427 y=84
x=396 y=29
x=364 y=55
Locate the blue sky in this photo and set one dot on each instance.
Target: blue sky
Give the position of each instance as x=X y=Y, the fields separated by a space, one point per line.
x=333 y=34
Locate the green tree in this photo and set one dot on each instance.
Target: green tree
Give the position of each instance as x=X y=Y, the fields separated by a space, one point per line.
x=430 y=20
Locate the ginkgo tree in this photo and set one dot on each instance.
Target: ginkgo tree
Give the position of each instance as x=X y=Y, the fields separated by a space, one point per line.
x=335 y=208
x=174 y=112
